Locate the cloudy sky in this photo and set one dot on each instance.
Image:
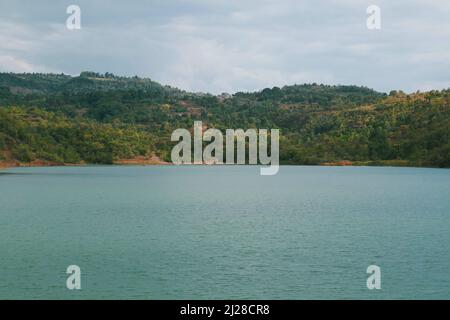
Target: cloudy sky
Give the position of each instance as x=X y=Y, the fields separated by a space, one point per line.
x=234 y=45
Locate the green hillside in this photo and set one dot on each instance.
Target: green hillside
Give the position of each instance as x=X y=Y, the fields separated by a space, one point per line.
x=102 y=118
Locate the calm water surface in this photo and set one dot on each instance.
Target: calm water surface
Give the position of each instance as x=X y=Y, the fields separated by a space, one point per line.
x=224 y=232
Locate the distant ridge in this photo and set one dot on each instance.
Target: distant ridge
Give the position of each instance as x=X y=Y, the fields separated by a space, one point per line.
x=103 y=118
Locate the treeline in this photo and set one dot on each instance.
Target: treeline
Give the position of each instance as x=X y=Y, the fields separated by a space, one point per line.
x=400 y=129
x=100 y=118
x=34 y=134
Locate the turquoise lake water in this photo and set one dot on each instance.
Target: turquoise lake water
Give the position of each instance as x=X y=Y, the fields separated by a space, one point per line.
x=224 y=232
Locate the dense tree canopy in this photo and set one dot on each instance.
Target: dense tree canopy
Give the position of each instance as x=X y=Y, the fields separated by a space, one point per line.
x=96 y=118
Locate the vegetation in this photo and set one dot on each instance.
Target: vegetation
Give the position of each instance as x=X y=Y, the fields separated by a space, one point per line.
x=102 y=118
x=35 y=134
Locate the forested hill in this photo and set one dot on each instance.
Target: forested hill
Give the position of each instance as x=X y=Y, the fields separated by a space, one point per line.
x=103 y=118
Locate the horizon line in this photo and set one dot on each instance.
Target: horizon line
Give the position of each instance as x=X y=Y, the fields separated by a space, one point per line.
x=222 y=93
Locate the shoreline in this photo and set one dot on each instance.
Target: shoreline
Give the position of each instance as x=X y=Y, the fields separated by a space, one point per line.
x=139 y=160
x=128 y=162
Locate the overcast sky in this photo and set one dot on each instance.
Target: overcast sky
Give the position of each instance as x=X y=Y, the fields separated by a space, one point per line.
x=227 y=45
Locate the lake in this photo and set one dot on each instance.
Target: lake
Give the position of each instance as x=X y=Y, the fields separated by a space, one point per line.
x=224 y=232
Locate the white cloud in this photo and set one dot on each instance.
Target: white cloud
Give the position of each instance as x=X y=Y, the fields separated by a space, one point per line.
x=8 y=63
x=229 y=45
